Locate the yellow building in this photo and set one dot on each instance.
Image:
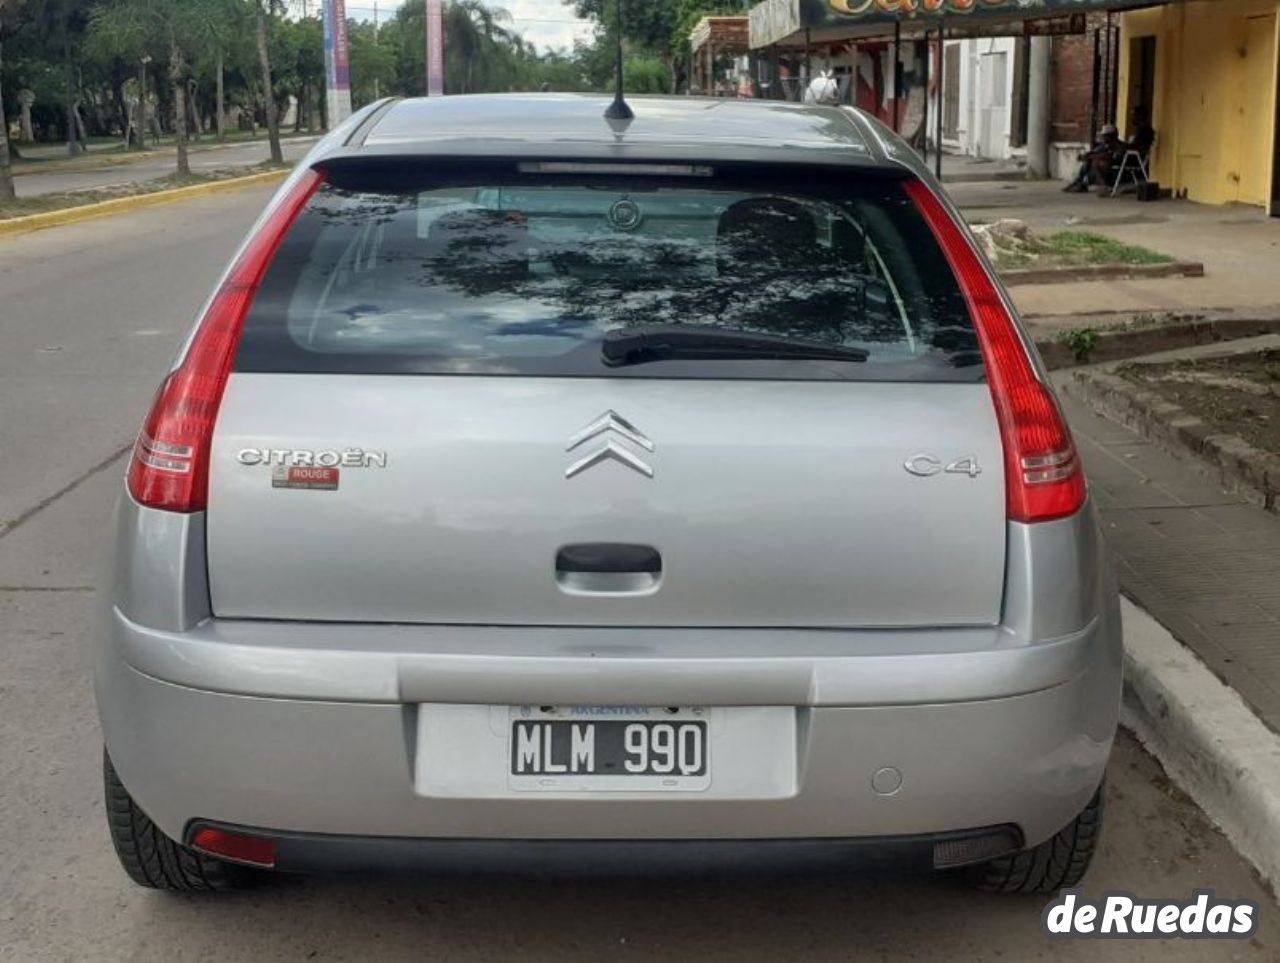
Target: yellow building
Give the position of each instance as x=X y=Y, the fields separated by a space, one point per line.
x=1207 y=71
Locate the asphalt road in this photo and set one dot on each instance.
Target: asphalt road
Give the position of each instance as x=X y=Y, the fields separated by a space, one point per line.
x=91 y=314
x=162 y=164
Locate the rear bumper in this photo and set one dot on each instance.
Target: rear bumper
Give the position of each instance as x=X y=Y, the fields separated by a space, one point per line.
x=309 y=852
x=232 y=723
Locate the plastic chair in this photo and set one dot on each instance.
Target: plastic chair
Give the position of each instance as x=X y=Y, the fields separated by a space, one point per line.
x=1136 y=164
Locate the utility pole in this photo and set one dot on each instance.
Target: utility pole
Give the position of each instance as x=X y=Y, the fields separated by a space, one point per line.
x=376 y=94
x=1038 y=106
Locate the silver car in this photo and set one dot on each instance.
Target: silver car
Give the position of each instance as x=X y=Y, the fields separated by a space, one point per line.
x=677 y=486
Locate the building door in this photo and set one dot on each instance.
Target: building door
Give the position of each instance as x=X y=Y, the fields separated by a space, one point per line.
x=993 y=94
x=1257 y=100
x=1142 y=79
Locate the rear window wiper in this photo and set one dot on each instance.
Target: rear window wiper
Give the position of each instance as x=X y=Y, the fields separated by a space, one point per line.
x=658 y=342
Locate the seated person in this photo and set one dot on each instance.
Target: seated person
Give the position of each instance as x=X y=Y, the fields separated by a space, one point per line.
x=1144 y=135
x=1097 y=163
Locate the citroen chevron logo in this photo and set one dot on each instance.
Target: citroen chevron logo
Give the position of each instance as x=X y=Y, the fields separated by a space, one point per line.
x=610 y=423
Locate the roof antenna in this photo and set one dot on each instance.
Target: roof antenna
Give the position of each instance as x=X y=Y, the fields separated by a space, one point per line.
x=619 y=109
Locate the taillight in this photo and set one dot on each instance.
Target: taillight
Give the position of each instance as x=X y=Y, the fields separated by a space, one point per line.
x=1043 y=478
x=170 y=466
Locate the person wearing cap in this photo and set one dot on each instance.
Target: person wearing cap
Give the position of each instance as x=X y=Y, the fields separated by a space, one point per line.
x=1097 y=163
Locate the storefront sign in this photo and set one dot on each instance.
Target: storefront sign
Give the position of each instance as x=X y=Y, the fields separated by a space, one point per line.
x=831 y=13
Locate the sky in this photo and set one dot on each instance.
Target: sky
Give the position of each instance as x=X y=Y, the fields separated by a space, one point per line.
x=544 y=23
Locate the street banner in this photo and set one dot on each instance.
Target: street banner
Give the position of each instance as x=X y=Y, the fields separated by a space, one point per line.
x=337 y=66
x=435 y=48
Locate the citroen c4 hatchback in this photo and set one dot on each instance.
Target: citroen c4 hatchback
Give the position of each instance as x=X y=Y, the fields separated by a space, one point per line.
x=677 y=485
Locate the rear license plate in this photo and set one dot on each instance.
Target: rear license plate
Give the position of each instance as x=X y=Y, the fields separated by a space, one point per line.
x=607 y=748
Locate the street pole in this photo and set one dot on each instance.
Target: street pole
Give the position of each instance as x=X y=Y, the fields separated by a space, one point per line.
x=376 y=94
x=937 y=121
x=1038 y=105
x=924 y=101
x=808 y=61
x=897 y=70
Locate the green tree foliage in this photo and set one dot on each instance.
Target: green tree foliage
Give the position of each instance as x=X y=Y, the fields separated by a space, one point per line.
x=649 y=27
x=197 y=64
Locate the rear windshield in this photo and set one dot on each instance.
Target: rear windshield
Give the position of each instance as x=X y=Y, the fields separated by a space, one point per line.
x=496 y=270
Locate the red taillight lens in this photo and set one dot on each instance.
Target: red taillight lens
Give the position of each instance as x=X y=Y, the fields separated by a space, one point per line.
x=170 y=466
x=1043 y=478
x=255 y=850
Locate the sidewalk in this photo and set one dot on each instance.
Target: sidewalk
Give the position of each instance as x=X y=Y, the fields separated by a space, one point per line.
x=963 y=169
x=1239 y=247
x=158 y=164
x=1204 y=562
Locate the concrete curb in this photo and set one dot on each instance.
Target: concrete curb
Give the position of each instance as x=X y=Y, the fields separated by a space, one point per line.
x=119 y=205
x=1133 y=342
x=1255 y=473
x=1101 y=272
x=1204 y=735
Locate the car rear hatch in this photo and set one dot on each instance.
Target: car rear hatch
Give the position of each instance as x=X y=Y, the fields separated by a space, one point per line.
x=491 y=394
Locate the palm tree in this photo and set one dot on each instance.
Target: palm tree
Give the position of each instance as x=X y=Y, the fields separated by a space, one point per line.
x=474 y=38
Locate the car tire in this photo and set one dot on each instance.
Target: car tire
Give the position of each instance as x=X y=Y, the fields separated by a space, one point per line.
x=1059 y=862
x=150 y=857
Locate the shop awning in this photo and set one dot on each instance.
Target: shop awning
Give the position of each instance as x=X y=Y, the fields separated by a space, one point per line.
x=789 y=21
x=724 y=34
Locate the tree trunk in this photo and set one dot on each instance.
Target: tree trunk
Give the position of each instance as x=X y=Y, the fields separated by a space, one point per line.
x=193 y=112
x=74 y=146
x=268 y=90
x=81 y=135
x=221 y=109
x=121 y=104
x=179 y=105
x=6 y=174
x=142 y=106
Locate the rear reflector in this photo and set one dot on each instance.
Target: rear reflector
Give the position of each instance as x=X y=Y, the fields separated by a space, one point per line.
x=977 y=847
x=170 y=466
x=240 y=847
x=1043 y=478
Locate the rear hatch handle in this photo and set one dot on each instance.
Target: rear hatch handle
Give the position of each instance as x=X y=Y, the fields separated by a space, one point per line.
x=608 y=568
